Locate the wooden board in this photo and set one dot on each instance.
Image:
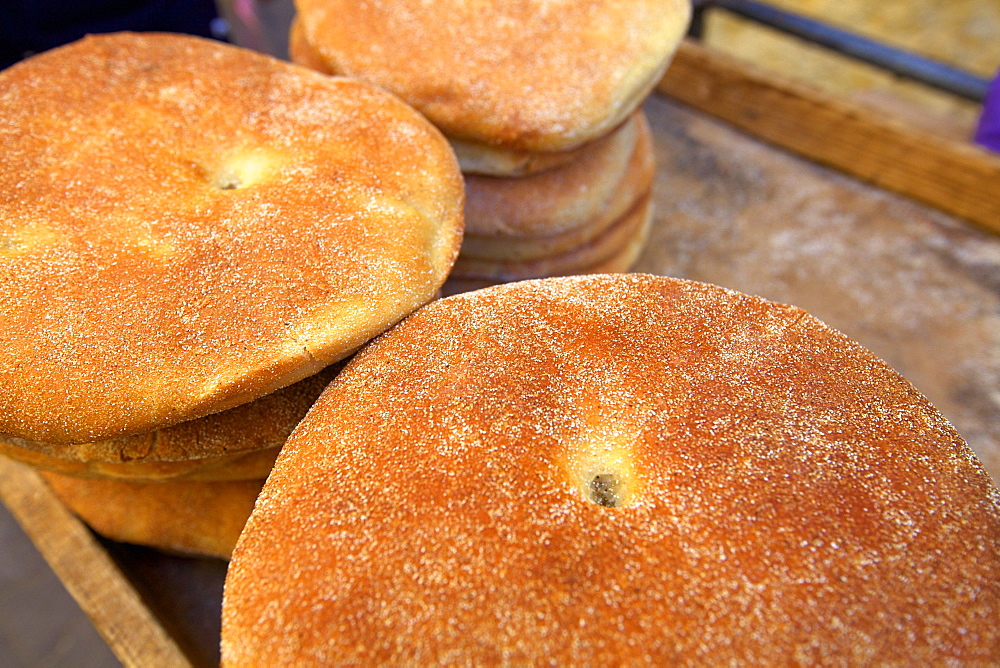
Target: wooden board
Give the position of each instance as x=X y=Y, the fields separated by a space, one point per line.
x=121 y=616
x=917 y=286
x=953 y=176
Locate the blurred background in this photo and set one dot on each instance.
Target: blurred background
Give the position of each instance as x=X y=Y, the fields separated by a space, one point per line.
x=964 y=34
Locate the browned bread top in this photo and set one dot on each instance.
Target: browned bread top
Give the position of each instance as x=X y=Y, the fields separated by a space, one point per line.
x=618 y=469
x=537 y=75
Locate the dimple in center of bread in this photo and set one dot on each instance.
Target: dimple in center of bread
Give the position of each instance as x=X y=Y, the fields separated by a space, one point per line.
x=601 y=464
x=244 y=168
x=605 y=490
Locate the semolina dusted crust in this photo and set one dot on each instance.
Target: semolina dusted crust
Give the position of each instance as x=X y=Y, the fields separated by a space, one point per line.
x=186 y=226
x=475 y=158
x=555 y=200
x=618 y=469
x=538 y=76
x=621 y=261
x=236 y=466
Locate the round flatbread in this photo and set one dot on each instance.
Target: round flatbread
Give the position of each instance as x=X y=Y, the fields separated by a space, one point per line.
x=474 y=158
x=538 y=76
x=555 y=200
x=187 y=226
x=614 y=470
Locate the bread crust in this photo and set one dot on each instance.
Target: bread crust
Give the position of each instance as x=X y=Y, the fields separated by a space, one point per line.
x=610 y=470
x=247 y=465
x=552 y=212
x=190 y=518
x=621 y=261
x=475 y=158
x=238 y=444
x=622 y=239
x=485 y=160
x=188 y=226
x=538 y=76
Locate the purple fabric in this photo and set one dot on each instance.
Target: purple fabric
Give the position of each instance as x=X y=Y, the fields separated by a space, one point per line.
x=988 y=130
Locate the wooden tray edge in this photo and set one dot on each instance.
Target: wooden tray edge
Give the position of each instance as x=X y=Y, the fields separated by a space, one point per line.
x=89 y=574
x=958 y=178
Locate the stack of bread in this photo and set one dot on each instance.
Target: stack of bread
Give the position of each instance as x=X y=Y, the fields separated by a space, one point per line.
x=542 y=103
x=192 y=235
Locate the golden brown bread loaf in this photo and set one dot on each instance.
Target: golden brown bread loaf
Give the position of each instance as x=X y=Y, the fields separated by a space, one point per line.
x=193 y=518
x=187 y=226
x=517 y=220
x=473 y=158
x=613 y=172
x=590 y=216
x=611 y=470
x=537 y=76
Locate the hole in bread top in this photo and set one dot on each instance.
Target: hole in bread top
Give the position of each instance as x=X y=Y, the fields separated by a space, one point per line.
x=604 y=489
x=601 y=466
x=244 y=168
x=226 y=181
